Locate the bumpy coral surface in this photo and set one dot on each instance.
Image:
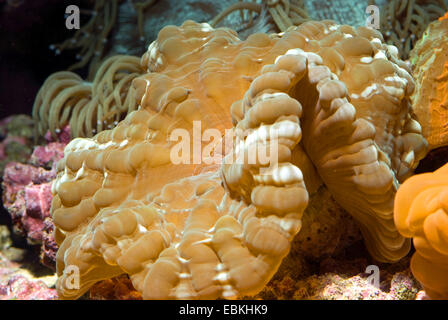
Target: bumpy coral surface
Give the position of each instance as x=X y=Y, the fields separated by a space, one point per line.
x=333 y=99
x=421 y=212
x=430 y=99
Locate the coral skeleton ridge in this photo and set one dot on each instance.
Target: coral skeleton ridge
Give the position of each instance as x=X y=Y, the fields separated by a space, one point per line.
x=430 y=98
x=335 y=100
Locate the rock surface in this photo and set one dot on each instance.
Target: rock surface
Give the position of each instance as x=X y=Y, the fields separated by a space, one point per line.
x=16 y=283
x=26 y=195
x=16 y=134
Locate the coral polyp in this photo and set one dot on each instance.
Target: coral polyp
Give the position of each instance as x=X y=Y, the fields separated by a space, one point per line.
x=234 y=149
x=321 y=92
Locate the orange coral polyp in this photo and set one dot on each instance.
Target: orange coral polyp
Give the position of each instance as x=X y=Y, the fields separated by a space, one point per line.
x=421 y=212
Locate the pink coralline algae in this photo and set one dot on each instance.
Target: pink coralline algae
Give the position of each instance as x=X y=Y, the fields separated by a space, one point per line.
x=27 y=196
x=19 y=287
x=395 y=283
x=47 y=156
x=17 y=284
x=63 y=136
x=49 y=246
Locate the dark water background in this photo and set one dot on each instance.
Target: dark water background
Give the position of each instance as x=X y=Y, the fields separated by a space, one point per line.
x=27 y=29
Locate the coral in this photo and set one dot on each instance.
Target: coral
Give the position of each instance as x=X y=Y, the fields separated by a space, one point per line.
x=285 y=13
x=88 y=108
x=140 y=7
x=347 y=12
x=189 y=230
x=421 y=213
x=253 y=7
x=404 y=21
x=430 y=98
x=326 y=230
x=91 y=38
x=444 y=17
x=378 y=159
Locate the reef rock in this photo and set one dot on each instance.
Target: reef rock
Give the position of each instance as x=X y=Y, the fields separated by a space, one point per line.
x=27 y=196
x=17 y=283
x=119 y=288
x=16 y=134
x=348 y=281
